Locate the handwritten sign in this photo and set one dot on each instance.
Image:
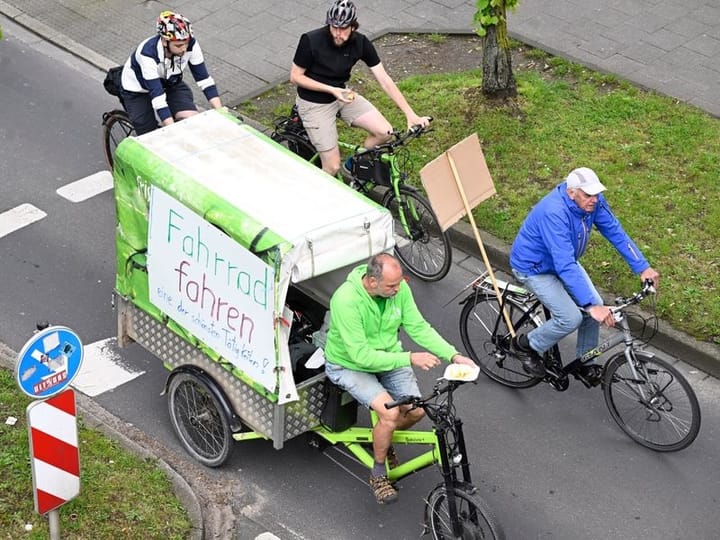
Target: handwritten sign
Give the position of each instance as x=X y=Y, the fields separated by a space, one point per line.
x=214 y=287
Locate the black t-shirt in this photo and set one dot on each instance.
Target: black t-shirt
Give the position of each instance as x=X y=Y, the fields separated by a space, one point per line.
x=328 y=64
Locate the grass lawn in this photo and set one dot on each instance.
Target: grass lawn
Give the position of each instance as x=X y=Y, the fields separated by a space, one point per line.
x=659 y=159
x=121 y=495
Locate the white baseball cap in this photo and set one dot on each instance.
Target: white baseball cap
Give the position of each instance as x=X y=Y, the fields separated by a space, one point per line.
x=585 y=179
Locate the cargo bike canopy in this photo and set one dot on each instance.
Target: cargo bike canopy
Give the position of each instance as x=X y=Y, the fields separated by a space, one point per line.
x=214 y=221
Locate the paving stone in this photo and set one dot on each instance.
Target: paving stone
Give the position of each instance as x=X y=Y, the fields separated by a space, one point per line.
x=704 y=44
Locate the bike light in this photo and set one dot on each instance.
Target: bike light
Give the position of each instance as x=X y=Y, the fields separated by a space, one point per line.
x=457 y=459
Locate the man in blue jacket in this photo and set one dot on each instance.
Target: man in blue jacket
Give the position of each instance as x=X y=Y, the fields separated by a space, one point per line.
x=545 y=258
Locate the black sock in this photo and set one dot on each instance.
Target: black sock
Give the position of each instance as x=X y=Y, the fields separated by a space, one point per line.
x=378 y=469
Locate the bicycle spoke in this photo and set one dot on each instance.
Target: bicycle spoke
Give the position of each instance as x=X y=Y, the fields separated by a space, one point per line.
x=420 y=244
x=480 y=316
x=657 y=408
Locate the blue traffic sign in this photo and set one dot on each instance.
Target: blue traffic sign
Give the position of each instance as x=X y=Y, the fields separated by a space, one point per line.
x=49 y=362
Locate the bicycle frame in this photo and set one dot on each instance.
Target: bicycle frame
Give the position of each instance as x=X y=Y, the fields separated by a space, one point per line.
x=522 y=296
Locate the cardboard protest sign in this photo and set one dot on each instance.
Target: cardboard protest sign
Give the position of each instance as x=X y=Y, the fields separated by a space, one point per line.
x=473 y=176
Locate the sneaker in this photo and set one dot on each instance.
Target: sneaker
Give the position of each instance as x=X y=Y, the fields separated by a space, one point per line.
x=590 y=373
x=346 y=168
x=384 y=491
x=531 y=361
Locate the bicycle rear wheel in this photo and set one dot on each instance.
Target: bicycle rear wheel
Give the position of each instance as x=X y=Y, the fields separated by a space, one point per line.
x=659 y=409
x=116 y=126
x=198 y=420
x=476 y=519
x=491 y=349
x=297 y=145
x=422 y=246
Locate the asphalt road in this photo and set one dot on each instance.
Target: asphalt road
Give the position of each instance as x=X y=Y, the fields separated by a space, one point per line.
x=551 y=465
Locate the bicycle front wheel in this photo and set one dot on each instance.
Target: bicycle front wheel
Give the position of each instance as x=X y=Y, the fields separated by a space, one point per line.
x=116 y=127
x=490 y=348
x=476 y=521
x=420 y=244
x=198 y=420
x=657 y=408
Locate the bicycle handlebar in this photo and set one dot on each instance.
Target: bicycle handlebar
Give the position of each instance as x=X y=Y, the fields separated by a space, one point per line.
x=418 y=401
x=621 y=302
x=401 y=137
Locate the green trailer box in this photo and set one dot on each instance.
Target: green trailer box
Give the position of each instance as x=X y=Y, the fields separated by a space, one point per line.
x=215 y=222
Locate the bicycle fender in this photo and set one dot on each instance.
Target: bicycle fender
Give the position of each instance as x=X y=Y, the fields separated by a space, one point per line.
x=236 y=424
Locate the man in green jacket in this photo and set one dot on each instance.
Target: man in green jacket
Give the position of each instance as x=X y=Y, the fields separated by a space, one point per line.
x=365 y=357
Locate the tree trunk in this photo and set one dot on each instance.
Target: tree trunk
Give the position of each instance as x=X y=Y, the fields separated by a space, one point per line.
x=498 y=79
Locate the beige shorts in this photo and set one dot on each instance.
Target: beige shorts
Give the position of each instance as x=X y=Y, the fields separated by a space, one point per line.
x=320 y=119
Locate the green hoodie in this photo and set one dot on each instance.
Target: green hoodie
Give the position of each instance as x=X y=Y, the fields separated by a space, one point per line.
x=364 y=339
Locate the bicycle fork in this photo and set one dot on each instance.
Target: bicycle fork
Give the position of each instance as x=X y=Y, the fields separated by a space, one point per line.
x=452 y=458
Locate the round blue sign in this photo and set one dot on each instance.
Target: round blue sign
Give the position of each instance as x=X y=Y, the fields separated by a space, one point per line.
x=49 y=362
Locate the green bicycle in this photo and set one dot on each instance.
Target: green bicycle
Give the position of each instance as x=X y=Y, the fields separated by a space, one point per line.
x=420 y=243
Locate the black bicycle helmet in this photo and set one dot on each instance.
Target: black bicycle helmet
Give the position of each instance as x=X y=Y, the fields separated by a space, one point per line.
x=341 y=14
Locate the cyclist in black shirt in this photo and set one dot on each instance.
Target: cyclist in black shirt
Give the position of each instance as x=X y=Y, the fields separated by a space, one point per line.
x=321 y=68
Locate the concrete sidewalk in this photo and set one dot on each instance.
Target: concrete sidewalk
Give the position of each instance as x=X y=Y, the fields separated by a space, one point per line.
x=672 y=46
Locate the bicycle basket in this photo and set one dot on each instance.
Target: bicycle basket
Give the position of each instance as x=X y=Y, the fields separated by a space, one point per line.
x=368 y=168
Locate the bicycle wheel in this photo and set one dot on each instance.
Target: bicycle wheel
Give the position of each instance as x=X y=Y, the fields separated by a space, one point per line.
x=476 y=519
x=116 y=126
x=422 y=247
x=491 y=350
x=297 y=145
x=198 y=420
x=658 y=409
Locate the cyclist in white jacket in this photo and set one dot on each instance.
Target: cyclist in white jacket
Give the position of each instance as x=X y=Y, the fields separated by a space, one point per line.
x=153 y=91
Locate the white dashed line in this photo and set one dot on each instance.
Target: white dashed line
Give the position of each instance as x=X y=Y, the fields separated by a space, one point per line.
x=102 y=369
x=19 y=217
x=87 y=187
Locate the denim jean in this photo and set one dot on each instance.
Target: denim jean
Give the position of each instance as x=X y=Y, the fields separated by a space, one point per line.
x=565 y=315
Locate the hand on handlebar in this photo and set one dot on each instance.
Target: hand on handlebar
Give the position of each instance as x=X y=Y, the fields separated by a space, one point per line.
x=424 y=360
x=414 y=122
x=650 y=274
x=603 y=315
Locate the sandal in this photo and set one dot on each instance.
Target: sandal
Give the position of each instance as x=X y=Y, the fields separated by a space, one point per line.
x=384 y=491
x=392 y=459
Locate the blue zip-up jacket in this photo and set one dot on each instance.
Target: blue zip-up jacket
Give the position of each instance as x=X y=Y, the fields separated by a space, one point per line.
x=555 y=235
x=147 y=71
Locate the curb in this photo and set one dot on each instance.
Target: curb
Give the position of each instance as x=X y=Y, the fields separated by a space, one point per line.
x=96 y=417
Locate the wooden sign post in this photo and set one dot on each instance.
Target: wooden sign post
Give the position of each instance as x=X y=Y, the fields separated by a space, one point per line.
x=463 y=166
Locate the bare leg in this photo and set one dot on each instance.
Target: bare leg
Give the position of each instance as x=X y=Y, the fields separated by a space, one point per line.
x=330 y=160
x=378 y=128
x=388 y=421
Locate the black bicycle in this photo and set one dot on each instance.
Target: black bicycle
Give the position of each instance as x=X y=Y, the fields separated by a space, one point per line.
x=116 y=126
x=453 y=509
x=649 y=399
x=420 y=243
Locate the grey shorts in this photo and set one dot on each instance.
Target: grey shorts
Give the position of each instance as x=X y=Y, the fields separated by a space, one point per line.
x=365 y=387
x=320 y=119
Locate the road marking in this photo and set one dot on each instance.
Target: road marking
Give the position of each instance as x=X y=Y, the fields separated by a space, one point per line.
x=102 y=369
x=87 y=187
x=19 y=217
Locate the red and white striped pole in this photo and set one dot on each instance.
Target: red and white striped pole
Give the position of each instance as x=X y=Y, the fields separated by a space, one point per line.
x=54 y=453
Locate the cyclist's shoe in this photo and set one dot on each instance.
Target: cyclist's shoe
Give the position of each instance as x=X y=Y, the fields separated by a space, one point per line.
x=531 y=361
x=384 y=491
x=346 y=169
x=591 y=374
